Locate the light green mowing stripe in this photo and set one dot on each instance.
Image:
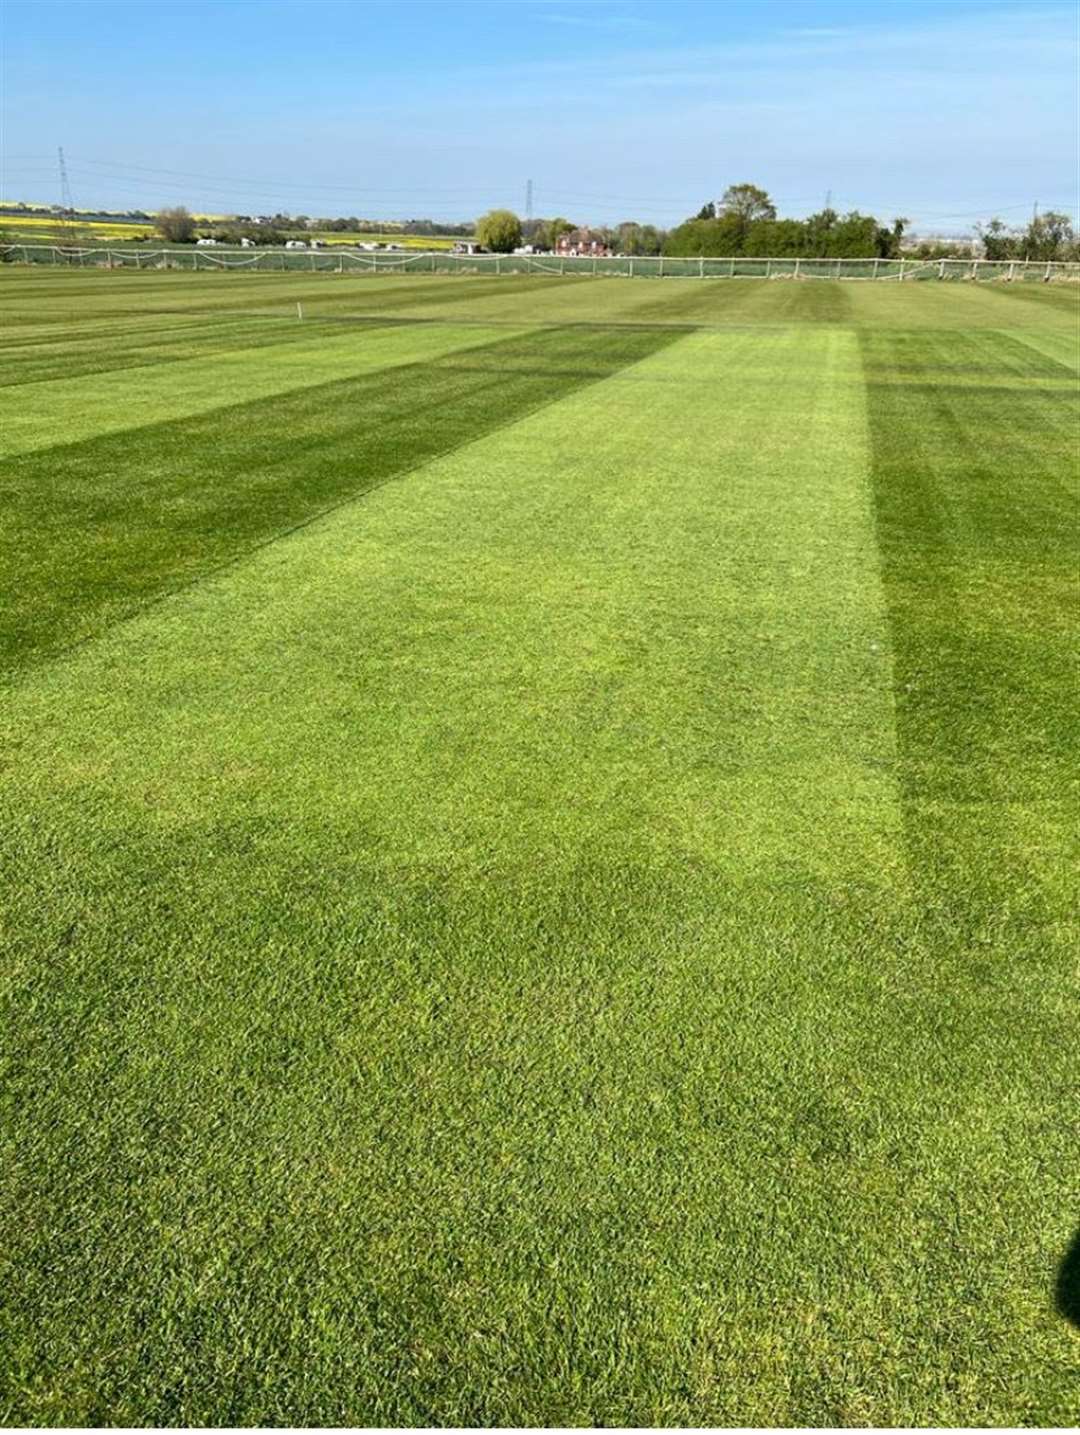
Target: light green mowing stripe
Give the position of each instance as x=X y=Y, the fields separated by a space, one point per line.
x=1062 y=345
x=37 y=416
x=448 y=951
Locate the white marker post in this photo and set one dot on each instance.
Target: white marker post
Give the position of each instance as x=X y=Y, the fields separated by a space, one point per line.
x=299 y=310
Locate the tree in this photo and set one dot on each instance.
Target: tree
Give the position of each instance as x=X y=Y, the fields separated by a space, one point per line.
x=818 y=229
x=998 y=240
x=259 y=234
x=776 y=239
x=1049 y=236
x=888 y=240
x=633 y=238
x=854 y=236
x=652 y=239
x=707 y=238
x=499 y=230
x=629 y=237
x=556 y=228
x=176 y=225
x=746 y=201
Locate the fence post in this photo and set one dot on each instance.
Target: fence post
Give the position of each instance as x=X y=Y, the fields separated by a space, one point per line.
x=661 y=266
x=498 y=264
x=941 y=270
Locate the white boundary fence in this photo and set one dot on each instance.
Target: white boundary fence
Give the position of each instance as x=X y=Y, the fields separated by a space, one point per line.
x=351 y=261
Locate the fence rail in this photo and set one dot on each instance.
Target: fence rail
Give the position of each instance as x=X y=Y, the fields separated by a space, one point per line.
x=349 y=261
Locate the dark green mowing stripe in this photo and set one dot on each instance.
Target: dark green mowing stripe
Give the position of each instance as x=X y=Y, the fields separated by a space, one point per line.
x=974 y=491
x=941 y=355
x=95 y=530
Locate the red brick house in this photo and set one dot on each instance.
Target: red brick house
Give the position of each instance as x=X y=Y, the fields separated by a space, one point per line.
x=581 y=241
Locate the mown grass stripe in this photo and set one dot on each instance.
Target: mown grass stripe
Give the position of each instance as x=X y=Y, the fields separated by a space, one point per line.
x=94 y=529
x=204 y=375
x=125 y=347
x=975 y=491
x=976 y=502
x=975 y=499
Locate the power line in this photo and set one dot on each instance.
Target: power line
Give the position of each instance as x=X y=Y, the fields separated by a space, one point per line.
x=124 y=170
x=100 y=174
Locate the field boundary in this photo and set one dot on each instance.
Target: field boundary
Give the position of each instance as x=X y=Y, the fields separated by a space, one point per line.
x=348 y=261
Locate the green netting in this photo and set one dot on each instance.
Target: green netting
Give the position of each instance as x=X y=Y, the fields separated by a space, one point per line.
x=346 y=261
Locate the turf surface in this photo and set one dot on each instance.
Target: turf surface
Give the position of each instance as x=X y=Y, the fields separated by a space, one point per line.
x=535 y=833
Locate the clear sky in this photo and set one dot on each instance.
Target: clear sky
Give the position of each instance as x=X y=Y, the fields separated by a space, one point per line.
x=945 y=111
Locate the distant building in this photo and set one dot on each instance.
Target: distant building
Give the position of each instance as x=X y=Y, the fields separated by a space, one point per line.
x=206 y=241
x=911 y=242
x=582 y=241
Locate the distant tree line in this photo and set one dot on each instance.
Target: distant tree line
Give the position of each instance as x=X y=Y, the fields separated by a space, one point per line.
x=1047 y=237
x=511 y=232
x=178 y=225
x=743 y=222
x=352 y=225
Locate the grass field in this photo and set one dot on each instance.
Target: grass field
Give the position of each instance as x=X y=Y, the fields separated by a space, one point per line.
x=535 y=837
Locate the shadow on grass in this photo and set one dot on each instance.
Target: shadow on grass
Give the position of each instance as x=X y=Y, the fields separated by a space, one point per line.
x=1068 y=1283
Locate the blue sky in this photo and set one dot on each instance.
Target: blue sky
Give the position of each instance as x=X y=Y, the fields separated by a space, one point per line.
x=942 y=110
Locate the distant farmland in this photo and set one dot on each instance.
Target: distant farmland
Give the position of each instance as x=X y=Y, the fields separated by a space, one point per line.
x=535 y=839
x=41 y=229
